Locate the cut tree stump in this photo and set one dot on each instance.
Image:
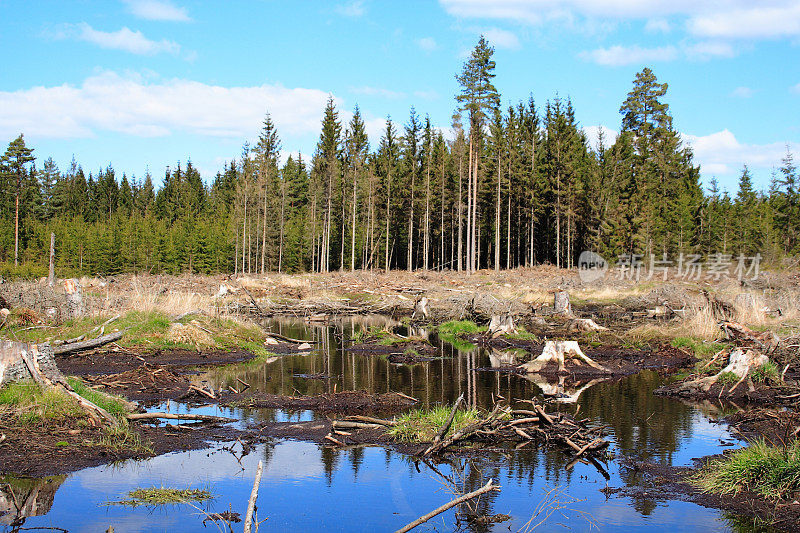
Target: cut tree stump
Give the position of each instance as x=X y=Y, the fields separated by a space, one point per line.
x=75 y=303
x=561 y=305
x=585 y=324
x=501 y=325
x=557 y=352
x=22 y=362
x=741 y=363
x=420 y=308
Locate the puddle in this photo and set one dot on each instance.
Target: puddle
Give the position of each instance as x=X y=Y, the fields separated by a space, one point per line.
x=309 y=487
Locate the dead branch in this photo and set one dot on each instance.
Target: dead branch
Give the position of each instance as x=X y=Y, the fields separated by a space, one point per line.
x=489 y=487
x=446 y=426
x=251 y=503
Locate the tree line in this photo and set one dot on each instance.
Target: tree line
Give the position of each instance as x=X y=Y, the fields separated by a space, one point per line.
x=512 y=186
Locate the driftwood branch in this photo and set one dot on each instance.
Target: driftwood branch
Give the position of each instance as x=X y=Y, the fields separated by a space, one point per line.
x=89 y=344
x=288 y=339
x=251 y=503
x=489 y=487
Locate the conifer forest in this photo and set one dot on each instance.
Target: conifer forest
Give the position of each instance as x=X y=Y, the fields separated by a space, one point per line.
x=504 y=186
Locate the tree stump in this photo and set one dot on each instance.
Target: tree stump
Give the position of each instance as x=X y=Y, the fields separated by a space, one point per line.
x=75 y=303
x=561 y=305
x=420 y=308
x=740 y=363
x=557 y=352
x=501 y=325
x=13 y=367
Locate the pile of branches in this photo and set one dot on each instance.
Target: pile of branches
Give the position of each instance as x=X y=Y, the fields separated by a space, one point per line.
x=502 y=425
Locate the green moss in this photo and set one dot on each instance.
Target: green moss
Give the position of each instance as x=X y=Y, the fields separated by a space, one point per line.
x=421 y=425
x=770 y=471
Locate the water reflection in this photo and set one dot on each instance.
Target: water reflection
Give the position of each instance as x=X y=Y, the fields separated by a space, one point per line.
x=22 y=498
x=358 y=488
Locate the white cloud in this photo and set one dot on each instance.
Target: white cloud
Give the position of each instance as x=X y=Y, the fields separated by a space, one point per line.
x=158 y=10
x=721 y=153
x=755 y=21
x=593 y=135
x=427 y=44
x=500 y=38
x=131 y=105
x=377 y=91
x=124 y=39
x=616 y=56
x=720 y=18
x=742 y=92
x=705 y=50
x=351 y=9
x=657 y=25
x=427 y=95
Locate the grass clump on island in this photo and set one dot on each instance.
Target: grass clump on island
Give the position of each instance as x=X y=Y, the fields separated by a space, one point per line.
x=155 y=329
x=450 y=332
x=772 y=472
x=422 y=425
x=28 y=404
x=164 y=496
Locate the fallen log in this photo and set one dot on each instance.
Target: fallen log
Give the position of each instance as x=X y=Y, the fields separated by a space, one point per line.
x=489 y=487
x=176 y=416
x=289 y=339
x=343 y=424
x=371 y=420
x=88 y=344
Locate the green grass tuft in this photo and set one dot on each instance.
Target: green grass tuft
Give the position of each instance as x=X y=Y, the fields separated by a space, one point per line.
x=28 y=403
x=114 y=405
x=421 y=425
x=766 y=371
x=164 y=496
x=459 y=327
x=699 y=347
x=770 y=471
x=727 y=378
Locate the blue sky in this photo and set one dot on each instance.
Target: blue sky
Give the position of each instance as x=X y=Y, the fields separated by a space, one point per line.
x=147 y=83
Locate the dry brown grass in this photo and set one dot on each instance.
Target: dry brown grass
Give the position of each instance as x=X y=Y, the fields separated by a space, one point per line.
x=189 y=334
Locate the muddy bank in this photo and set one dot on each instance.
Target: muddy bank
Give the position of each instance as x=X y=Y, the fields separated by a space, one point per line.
x=774 y=425
x=652 y=482
x=755 y=394
x=53 y=449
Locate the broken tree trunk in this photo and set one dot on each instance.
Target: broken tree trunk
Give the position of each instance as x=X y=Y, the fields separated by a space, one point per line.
x=740 y=363
x=766 y=340
x=75 y=303
x=20 y=362
x=556 y=352
x=561 y=305
x=501 y=325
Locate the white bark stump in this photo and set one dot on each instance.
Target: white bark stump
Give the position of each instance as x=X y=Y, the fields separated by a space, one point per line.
x=501 y=325
x=557 y=352
x=76 y=307
x=561 y=305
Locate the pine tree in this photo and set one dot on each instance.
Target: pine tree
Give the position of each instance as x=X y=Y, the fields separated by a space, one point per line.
x=16 y=157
